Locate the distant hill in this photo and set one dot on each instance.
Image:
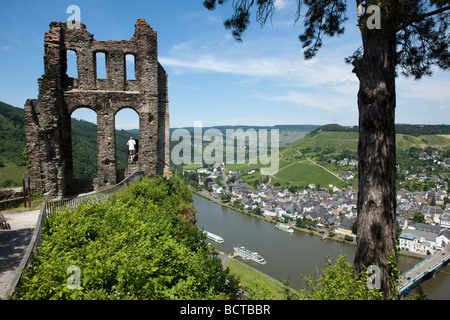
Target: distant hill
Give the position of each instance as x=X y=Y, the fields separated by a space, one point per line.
x=288 y=133
x=84 y=147
x=12 y=136
x=335 y=141
x=409 y=129
x=84 y=142
x=346 y=138
x=292 y=139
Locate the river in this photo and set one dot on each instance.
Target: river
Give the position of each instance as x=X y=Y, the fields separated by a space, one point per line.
x=290 y=255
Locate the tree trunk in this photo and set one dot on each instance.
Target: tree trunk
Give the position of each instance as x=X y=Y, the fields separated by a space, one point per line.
x=376 y=153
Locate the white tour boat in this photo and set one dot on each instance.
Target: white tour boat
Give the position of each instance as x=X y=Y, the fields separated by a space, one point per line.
x=284 y=227
x=249 y=255
x=213 y=237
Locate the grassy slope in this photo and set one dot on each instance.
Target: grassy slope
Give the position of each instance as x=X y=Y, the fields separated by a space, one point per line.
x=349 y=141
x=257 y=280
x=297 y=169
x=305 y=172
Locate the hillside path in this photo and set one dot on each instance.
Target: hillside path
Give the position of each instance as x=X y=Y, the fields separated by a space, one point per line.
x=326 y=169
x=13 y=244
x=270 y=176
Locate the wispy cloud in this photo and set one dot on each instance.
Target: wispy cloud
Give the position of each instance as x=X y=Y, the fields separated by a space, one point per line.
x=257 y=66
x=332 y=101
x=281 y=4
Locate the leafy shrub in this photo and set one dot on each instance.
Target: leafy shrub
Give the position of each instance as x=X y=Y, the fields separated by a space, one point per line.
x=338 y=282
x=141 y=244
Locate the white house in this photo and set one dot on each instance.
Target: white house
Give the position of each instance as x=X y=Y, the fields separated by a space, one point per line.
x=445 y=219
x=420 y=241
x=217 y=189
x=411 y=242
x=444 y=238
x=269 y=213
x=406 y=241
x=280 y=212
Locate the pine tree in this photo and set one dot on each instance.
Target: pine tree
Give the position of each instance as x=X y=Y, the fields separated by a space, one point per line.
x=406 y=36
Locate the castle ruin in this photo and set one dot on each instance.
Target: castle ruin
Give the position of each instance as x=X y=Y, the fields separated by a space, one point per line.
x=48 y=118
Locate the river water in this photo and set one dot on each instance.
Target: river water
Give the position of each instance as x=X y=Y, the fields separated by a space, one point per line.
x=290 y=255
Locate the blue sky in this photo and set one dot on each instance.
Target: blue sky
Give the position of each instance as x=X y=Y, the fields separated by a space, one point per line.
x=212 y=78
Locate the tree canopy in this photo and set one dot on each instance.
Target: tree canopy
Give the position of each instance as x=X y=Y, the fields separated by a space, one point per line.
x=141 y=244
x=421 y=26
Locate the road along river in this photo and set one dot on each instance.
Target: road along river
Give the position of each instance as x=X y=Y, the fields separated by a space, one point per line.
x=290 y=255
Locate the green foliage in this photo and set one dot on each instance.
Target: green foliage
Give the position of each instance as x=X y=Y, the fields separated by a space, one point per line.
x=418 y=217
x=11 y=176
x=84 y=148
x=12 y=136
x=409 y=129
x=138 y=245
x=305 y=223
x=338 y=282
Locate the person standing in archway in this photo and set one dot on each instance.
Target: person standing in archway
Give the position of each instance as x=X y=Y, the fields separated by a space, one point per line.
x=131 y=148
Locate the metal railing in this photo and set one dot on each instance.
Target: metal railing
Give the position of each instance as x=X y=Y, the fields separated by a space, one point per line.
x=52 y=207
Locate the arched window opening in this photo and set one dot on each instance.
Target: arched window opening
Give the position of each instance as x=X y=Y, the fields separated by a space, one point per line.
x=130 y=67
x=72 y=70
x=127 y=126
x=100 y=61
x=84 y=145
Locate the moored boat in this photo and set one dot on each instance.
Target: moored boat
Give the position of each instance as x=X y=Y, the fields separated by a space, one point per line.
x=249 y=255
x=284 y=227
x=213 y=237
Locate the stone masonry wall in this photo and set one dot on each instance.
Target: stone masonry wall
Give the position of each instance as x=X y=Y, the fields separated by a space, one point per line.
x=47 y=118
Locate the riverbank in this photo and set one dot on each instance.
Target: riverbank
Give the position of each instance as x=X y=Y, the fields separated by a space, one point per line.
x=253 y=280
x=205 y=195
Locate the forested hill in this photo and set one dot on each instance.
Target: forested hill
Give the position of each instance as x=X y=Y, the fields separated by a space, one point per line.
x=84 y=142
x=12 y=136
x=410 y=129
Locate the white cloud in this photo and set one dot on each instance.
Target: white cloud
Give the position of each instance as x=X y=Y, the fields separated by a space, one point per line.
x=332 y=101
x=281 y=4
x=293 y=71
x=259 y=67
x=433 y=89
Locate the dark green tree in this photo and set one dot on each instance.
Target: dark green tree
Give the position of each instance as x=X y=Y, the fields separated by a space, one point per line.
x=398 y=36
x=418 y=217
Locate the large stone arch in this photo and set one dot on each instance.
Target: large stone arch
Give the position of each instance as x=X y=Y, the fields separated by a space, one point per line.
x=48 y=129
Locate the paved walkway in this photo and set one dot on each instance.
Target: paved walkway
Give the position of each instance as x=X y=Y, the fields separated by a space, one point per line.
x=13 y=244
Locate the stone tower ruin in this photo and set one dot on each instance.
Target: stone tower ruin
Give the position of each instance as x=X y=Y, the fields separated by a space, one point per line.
x=48 y=118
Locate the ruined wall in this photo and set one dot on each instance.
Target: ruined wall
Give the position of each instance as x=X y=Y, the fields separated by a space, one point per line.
x=48 y=129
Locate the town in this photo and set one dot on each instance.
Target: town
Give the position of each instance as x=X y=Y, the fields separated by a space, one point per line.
x=423 y=217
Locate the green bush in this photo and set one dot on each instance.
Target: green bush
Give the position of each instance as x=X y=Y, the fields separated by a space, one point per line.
x=141 y=244
x=338 y=282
